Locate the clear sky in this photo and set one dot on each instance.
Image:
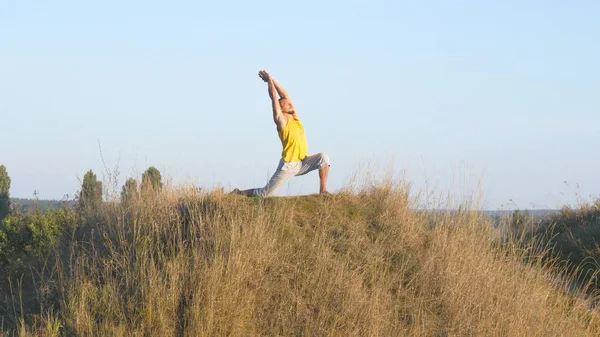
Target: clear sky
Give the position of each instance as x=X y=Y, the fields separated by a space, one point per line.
x=502 y=96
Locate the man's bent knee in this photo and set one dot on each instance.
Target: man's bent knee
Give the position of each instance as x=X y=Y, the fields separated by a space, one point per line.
x=323 y=160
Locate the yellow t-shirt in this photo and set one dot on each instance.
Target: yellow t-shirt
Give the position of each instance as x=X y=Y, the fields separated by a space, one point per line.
x=293 y=141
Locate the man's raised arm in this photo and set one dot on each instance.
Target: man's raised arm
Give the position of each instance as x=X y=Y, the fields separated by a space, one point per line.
x=278 y=116
x=282 y=93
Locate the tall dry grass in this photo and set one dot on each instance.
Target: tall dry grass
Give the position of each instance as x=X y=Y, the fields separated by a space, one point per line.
x=366 y=264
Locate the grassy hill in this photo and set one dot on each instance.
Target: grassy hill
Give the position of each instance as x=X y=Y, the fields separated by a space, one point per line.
x=366 y=264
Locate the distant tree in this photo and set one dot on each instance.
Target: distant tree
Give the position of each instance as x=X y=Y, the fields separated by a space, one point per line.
x=90 y=197
x=29 y=206
x=130 y=191
x=4 y=192
x=151 y=180
x=519 y=223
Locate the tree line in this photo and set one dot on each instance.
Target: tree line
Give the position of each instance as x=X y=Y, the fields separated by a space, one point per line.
x=89 y=198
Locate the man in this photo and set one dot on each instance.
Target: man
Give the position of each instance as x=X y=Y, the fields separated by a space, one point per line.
x=295 y=160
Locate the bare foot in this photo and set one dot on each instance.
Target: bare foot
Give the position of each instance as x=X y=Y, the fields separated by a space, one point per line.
x=246 y=193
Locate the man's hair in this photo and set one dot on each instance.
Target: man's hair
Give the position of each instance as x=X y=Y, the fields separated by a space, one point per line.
x=281 y=99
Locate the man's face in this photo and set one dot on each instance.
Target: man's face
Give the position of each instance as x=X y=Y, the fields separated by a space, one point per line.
x=286 y=106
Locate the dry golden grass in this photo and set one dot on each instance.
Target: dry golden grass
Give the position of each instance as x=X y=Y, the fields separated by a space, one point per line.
x=184 y=263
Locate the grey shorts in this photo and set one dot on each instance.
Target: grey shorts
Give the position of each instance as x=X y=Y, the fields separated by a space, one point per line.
x=285 y=171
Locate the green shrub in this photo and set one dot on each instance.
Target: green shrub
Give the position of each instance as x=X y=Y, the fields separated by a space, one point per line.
x=574 y=238
x=33 y=236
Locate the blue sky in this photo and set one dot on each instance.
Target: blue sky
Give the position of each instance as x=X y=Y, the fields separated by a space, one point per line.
x=497 y=96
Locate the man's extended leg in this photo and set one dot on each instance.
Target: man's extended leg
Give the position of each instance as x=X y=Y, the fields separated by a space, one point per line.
x=283 y=173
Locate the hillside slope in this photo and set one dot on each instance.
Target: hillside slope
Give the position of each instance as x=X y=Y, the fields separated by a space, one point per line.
x=344 y=265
